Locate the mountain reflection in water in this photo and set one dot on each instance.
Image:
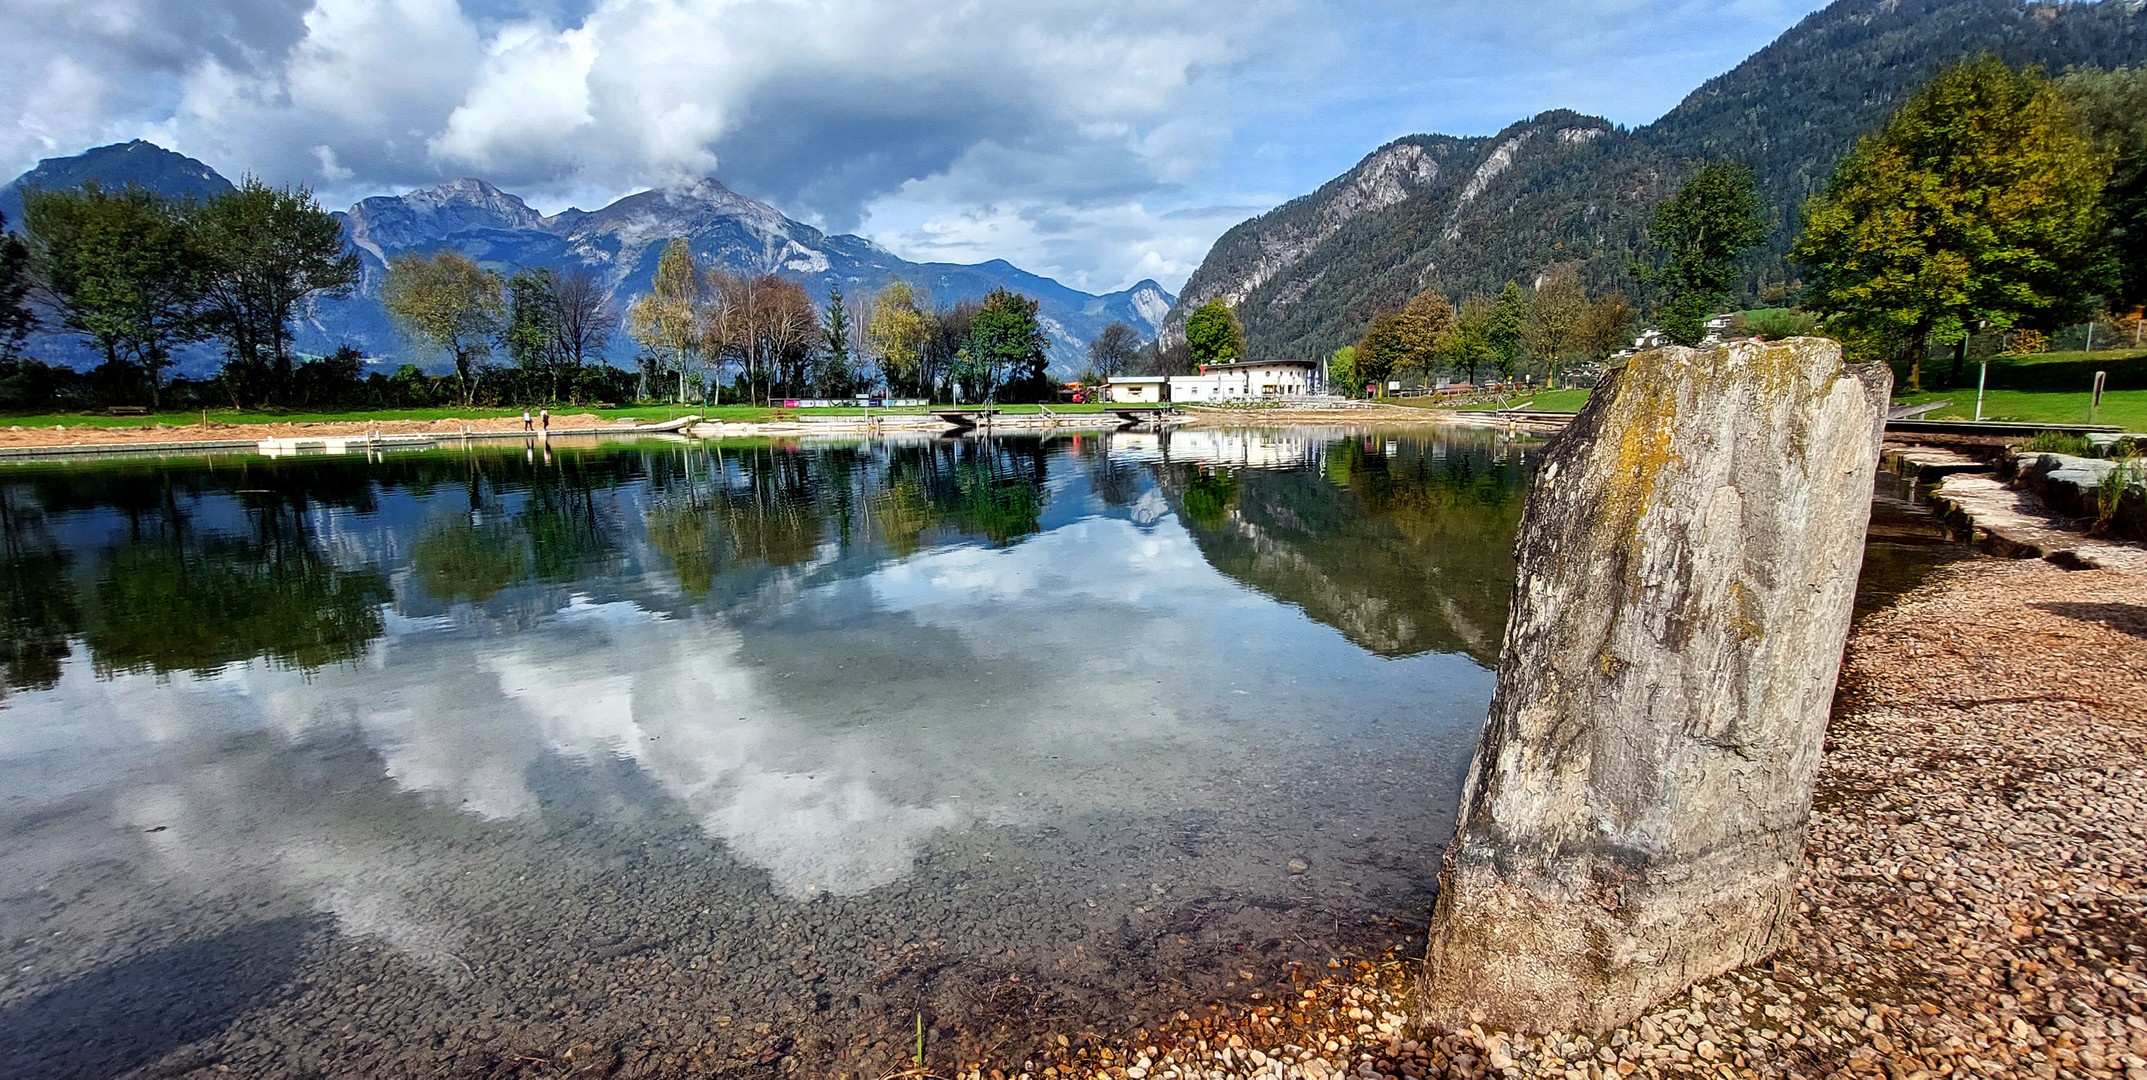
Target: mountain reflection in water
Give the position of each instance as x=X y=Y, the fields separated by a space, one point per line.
x=498 y=751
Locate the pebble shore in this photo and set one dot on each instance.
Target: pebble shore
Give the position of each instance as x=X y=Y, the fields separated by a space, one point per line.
x=1974 y=901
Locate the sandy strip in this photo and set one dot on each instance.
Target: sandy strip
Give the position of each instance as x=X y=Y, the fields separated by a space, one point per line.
x=212 y=432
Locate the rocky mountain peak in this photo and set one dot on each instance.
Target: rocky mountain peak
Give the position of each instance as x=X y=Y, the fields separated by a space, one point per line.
x=619 y=244
x=136 y=162
x=688 y=207
x=383 y=224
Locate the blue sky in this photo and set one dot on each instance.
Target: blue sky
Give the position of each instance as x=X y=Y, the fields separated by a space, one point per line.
x=1098 y=143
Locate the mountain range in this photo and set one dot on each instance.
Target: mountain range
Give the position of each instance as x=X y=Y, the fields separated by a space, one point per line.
x=619 y=243
x=1467 y=214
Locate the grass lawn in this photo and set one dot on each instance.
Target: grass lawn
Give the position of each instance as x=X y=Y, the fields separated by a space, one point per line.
x=2125 y=408
x=1547 y=401
x=648 y=414
x=1541 y=401
x=2053 y=372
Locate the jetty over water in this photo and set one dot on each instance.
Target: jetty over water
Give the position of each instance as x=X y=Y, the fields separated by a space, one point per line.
x=964 y=419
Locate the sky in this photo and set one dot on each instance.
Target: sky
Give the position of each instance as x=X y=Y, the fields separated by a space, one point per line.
x=1095 y=142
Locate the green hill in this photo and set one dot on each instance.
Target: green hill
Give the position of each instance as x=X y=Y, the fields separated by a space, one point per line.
x=1468 y=214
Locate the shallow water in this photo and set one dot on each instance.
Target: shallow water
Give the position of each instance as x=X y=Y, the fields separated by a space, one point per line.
x=728 y=757
x=746 y=751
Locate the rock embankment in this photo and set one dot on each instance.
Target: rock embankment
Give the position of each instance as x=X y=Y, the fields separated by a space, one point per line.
x=1973 y=900
x=2079 y=486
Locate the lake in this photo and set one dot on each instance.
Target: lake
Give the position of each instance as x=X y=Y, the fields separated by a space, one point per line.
x=728 y=756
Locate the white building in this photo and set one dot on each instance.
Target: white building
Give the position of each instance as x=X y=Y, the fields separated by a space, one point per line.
x=1139 y=389
x=1245 y=381
x=1260 y=448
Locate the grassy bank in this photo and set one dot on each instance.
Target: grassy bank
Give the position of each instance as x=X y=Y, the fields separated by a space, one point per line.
x=642 y=413
x=2124 y=408
x=2052 y=372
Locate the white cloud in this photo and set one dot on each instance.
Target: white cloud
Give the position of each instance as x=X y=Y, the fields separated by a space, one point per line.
x=1069 y=136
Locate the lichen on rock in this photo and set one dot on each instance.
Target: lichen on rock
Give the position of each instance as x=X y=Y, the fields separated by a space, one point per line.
x=1635 y=813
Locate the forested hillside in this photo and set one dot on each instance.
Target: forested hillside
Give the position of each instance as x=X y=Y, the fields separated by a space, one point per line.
x=1468 y=214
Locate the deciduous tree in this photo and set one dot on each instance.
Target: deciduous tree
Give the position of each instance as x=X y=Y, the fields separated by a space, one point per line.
x=1607 y=326
x=447 y=303
x=1698 y=234
x=533 y=331
x=669 y=321
x=770 y=325
x=897 y=334
x=120 y=270
x=1342 y=372
x=1113 y=351
x=586 y=322
x=1007 y=346
x=1213 y=335
x=1978 y=203
x=1468 y=347
x=1379 y=354
x=262 y=251
x=1552 y=328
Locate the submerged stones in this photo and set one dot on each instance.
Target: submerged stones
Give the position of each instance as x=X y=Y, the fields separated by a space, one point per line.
x=1635 y=815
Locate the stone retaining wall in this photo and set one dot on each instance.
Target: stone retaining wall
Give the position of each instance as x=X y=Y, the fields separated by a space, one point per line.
x=2070 y=485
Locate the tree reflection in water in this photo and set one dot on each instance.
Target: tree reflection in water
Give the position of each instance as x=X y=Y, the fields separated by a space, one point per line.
x=1405 y=546
x=188 y=566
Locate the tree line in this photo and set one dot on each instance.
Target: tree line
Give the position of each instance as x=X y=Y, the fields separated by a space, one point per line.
x=1541 y=329
x=763 y=337
x=552 y=328
x=139 y=277
x=970 y=350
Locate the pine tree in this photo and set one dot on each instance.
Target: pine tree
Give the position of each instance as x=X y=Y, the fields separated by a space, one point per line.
x=17 y=318
x=835 y=327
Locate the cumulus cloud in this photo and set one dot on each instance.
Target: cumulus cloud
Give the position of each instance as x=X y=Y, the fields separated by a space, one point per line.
x=1095 y=140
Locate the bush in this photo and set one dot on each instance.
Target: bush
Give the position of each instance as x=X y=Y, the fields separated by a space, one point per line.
x=1774 y=324
x=2058 y=442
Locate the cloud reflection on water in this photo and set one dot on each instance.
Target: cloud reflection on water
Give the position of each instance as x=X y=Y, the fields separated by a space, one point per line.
x=823 y=722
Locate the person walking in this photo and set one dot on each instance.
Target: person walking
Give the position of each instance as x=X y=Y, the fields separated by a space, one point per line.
x=544 y=416
x=526 y=425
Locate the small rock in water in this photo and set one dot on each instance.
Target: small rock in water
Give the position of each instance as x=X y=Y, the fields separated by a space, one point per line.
x=1299 y=866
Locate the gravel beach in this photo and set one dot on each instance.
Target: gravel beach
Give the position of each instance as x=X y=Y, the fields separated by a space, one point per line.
x=1975 y=899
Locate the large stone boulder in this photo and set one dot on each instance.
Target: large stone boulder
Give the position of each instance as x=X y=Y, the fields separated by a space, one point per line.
x=1634 y=819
